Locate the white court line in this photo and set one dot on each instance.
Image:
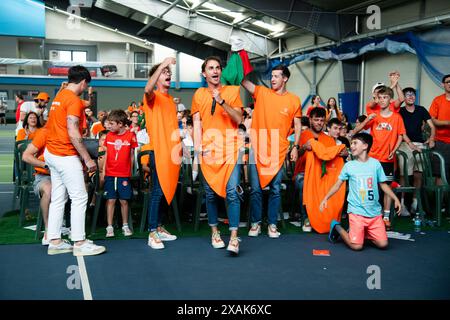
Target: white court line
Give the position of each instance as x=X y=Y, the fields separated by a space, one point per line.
x=87 y=294
x=6 y=191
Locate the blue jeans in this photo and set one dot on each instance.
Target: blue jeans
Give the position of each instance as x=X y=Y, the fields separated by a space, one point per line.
x=154 y=212
x=256 y=196
x=233 y=200
x=299 y=181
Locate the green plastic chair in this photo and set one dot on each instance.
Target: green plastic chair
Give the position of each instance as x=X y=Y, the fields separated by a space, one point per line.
x=428 y=181
x=26 y=178
x=406 y=188
x=18 y=167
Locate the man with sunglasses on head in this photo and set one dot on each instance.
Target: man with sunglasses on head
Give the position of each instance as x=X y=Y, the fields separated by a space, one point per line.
x=440 y=113
x=414 y=117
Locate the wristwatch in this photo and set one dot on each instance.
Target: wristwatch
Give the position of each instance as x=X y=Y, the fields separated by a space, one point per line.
x=223 y=101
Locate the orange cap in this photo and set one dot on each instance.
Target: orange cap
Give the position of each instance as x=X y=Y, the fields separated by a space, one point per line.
x=42 y=96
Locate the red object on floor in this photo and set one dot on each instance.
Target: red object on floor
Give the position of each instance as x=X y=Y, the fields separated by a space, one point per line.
x=325 y=253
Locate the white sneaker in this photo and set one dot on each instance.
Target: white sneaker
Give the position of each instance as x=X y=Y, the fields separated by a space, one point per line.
x=154 y=241
x=272 y=231
x=255 y=230
x=233 y=245
x=404 y=212
x=44 y=240
x=126 y=230
x=306 y=226
x=165 y=235
x=88 y=248
x=63 y=247
x=109 y=231
x=216 y=241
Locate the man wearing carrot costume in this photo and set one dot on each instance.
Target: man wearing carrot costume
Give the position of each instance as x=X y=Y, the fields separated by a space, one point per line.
x=321 y=160
x=274 y=111
x=217 y=112
x=162 y=128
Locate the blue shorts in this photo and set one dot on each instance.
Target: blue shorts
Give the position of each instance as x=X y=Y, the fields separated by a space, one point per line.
x=117 y=188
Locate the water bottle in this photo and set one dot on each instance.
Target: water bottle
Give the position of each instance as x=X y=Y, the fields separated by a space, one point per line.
x=417 y=223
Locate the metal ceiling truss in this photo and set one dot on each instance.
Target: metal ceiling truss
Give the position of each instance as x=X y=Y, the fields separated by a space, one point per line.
x=153 y=34
x=200 y=23
x=303 y=15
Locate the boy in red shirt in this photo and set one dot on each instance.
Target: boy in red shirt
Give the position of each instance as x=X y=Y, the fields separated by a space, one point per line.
x=119 y=144
x=387 y=129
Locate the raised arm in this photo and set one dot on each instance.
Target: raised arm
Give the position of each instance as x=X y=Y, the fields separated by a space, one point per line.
x=151 y=83
x=249 y=86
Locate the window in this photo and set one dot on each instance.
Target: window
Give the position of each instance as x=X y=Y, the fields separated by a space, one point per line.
x=68 y=56
x=140 y=64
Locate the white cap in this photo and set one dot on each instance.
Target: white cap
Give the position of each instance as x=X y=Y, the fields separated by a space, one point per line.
x=376 y=85
x=237 y=44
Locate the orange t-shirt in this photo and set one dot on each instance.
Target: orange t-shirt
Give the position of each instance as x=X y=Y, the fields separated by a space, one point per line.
x=64 y=104
x=162 y=128
x=306 y=135
x=440 y=110
x=271 y=125
x=22 y=134
x=39 y=141
x=385 y=132
x=96 y=128
x=377 y=108
x=220 y=140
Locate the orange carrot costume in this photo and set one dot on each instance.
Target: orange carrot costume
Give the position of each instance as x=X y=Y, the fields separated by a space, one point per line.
x=317 y=183
x=220 y=140
x=162 y=127
x=271 y=126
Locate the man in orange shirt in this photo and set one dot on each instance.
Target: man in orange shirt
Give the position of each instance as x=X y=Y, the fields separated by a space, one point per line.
x=275 y=110
x=62 y=154
x=164 y=136
x=217 y=112
x=388 y=130
x=34 y=155
x=440 y=114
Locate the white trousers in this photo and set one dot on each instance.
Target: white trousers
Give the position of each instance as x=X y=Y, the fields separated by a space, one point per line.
x=67 y=178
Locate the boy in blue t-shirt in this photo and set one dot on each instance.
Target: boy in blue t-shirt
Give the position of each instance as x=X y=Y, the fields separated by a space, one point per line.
x=364 y=210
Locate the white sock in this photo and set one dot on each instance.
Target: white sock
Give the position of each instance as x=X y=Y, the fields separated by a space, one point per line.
x=194 y=175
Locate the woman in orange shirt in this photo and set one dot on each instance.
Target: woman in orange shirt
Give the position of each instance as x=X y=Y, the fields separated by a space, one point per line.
x=30 y=127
